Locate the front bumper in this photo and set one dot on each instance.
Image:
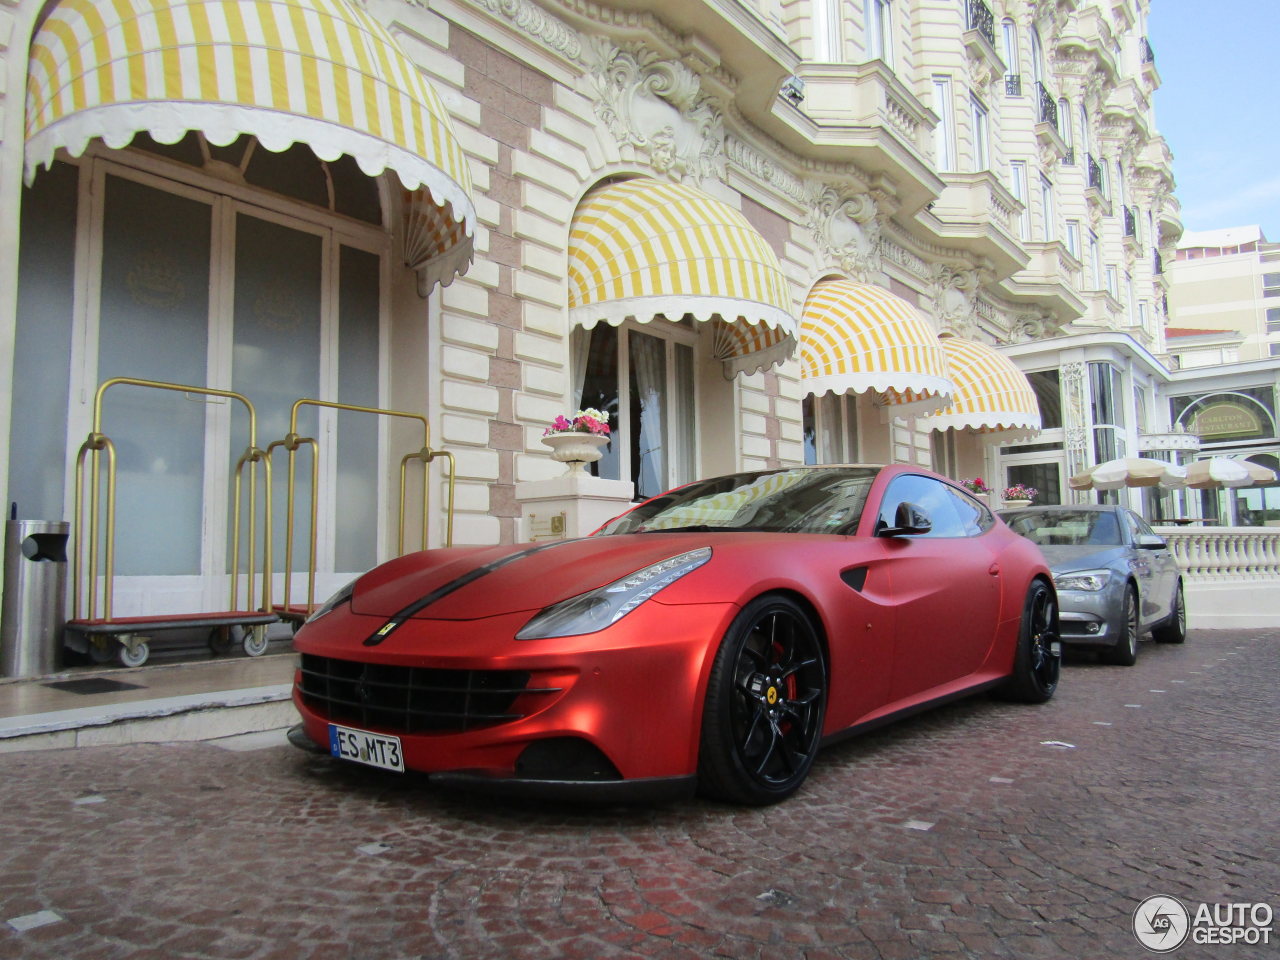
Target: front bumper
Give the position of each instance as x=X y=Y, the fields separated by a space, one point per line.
x=616 y=713
x=1090 y=619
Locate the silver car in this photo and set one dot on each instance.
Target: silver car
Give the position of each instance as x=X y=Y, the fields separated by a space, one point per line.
x=1116 y=578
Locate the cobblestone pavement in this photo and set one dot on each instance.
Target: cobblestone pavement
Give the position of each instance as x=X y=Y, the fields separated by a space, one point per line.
x=982 y=829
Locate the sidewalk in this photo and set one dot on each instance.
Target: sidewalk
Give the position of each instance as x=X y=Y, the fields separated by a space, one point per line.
x=192 y=700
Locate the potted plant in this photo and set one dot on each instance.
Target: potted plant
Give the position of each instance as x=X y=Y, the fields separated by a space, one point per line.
x=578 y=440
x=1018 y=495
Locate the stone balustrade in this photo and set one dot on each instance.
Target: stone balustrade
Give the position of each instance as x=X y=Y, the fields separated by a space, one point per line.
x=1225 y=553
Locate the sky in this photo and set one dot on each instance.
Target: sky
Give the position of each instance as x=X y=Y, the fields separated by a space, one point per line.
x=1218 y=107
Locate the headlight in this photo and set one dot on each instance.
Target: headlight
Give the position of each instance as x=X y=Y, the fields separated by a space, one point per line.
x=337 y=600
x=606 y=605
x=1090 y=581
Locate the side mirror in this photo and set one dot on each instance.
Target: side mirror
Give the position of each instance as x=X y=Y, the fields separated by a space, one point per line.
x=909 y=520
x=1145 y=541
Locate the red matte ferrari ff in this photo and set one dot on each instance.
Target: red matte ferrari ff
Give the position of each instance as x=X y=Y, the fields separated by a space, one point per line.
x=713 y=637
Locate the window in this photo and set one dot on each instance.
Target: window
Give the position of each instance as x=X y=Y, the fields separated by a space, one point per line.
x=1095 y=262
x=826 y=31
x=1106 y=412
x=879 y=33
x=1144 y=315
x=981 y=135
x=1018 y=187
x=1271 y=284
x=1046 y=478
x=1113 y=284
x=1009 y=50
x=1073 y=238
x=1104 y=171
x=1064 y=127
x=1037 y=57
x=1048 y=388
x=1273 y=320
x=944 y=134
x=831 y=428
x=1048 y=226
x=644 y=381
x=1129 y=304
x=1084 y=130
x=1274 y=349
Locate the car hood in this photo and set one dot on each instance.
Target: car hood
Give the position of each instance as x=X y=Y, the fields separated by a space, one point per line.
x=468 y=583
x=1062 y=559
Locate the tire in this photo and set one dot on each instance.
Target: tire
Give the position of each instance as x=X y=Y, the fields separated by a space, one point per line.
x=1174 y=630
x=1036 y=665
x=766 y=698
x=136 y=657
x=255 y=641
x=1125 y=652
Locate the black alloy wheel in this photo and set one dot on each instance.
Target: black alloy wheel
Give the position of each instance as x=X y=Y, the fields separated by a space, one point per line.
x=1125 y=652
x=1037 y=663
x=1174 y=630
x=762 y=720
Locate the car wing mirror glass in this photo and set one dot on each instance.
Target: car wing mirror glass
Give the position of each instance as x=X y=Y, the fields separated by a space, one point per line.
x=909 y=519
x=1146 y=541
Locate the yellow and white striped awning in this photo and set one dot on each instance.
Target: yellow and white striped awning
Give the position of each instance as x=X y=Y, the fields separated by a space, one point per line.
x=992 y=395
x=855 y=337
x=643 y=249
x=319 y=72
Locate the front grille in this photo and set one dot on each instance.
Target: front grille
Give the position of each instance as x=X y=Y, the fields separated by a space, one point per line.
x=412 y=699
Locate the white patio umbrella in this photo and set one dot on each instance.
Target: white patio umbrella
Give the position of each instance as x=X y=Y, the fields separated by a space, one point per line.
x=1129 y=472
x=1218 y=472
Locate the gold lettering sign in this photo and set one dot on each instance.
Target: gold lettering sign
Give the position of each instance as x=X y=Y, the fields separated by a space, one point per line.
x=547 y=526
x=1220 y=420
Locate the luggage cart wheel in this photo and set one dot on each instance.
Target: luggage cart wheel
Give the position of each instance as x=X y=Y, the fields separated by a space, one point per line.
x=220 y=641
x=255 y=641
x=100 y=650
x=133 y=651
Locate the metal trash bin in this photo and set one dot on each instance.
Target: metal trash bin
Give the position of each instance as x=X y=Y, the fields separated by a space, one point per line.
x=35 y=590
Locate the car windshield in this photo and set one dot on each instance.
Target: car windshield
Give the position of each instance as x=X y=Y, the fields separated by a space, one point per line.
x=1066 y=528
x=801 y=500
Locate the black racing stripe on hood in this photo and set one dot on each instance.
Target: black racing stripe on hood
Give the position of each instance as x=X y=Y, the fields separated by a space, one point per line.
x=397 y=619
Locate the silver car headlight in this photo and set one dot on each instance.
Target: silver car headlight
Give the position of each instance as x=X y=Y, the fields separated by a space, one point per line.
x=605 y=606
x=337 y=600
x=1090 y=581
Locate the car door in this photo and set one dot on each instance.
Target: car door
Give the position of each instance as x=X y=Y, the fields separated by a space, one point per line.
x=1161 y=570
x=945 y=586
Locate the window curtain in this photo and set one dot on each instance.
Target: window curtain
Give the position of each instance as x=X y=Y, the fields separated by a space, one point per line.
x=648 y=362
x=579 y=351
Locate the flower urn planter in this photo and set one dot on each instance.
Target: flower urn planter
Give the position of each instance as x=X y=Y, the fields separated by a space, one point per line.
x=1016 y=504
x=576 y=449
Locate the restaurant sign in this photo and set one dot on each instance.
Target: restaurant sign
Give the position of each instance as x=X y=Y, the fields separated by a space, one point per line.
x=1224 y=420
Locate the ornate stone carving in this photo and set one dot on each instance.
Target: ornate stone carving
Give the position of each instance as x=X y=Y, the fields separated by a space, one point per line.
x=743 y=155
x=657 y=107
x=892 y=250
x=955 y=291
x=537 y=23
x=847 y=232
x=1032 y=326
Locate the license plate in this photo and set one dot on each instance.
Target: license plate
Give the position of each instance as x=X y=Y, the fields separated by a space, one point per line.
x=373 y=749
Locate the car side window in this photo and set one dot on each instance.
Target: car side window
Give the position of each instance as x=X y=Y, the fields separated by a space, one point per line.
x=1141 y=526
x=937 y=499
x=1132 y=524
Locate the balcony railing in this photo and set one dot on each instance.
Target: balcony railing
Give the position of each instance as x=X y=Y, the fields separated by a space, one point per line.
x=1148 y=55
x=1130 y=222
x=1226 y=553
x=1013 y=84
x=1095 y=173
x=980 y=19
x=1157 y=264
x=1048 y=106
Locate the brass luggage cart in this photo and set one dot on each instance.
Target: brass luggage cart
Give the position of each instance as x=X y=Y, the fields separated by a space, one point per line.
x=133 y=634
x=297 y=613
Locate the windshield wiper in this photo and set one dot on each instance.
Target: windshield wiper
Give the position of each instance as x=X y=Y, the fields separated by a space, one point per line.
x=691 y=528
